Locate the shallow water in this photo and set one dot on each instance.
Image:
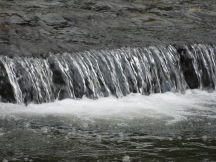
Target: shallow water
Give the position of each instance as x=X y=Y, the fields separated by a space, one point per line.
x=159 y=127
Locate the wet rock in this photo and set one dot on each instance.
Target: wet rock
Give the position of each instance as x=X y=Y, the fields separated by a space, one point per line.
x=38 y=27
x=6 y=90
x=15 y=19
x=186 y=64
x=52 y=19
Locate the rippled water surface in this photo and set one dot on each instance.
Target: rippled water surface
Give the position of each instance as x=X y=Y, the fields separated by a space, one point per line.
x=159 y=127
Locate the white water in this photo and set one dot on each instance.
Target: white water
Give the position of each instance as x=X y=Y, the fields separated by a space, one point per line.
x=175 y=105
x=117 y=72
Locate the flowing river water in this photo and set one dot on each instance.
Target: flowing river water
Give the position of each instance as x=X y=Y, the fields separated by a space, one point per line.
x=159 y=127
x=131 y=104
x=98 y=80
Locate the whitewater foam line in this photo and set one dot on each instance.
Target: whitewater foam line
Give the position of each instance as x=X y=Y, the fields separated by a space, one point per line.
x=96 y=74
x=175 y=106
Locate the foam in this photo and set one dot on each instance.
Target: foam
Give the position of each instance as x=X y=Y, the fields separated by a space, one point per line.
x=174 y=105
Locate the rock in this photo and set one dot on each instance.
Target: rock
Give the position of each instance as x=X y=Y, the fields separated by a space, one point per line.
x=52 y=19
x=6 y=90
x=15 y=19
x=37 y=27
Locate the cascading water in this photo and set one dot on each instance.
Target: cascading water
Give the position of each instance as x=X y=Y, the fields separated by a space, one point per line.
x=103 y=73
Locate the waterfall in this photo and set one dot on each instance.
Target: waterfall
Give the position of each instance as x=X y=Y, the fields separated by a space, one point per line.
x=117 y=72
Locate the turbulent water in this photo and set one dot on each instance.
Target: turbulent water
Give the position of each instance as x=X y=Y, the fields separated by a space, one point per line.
x=159 y=127
x=137 y=103
x=145 y=110
x=105 y=73
x=159 y=119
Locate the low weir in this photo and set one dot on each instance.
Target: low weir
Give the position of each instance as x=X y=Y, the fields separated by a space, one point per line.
x=118 y=72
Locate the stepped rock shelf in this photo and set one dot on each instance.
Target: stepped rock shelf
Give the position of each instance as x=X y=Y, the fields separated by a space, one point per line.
x=118 y=72
x=37 y=27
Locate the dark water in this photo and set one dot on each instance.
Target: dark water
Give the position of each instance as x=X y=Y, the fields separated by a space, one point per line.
x=161 y=127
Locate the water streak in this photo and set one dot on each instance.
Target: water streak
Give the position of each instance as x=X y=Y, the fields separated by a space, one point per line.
x=118 y=72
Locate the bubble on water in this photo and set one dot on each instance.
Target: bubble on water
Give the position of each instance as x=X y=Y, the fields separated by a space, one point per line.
x=74 y=130
x=1 y=133
x=98 y=138
x=170 y=139
x=126 y=159
x=121 y=137
x=27 y=125
x=179 y=138
x=44 y=129
x=5 y=160
x=14 y=159
x=85 y=125
x=122 y=125
x=66 y=137
x=205 y=138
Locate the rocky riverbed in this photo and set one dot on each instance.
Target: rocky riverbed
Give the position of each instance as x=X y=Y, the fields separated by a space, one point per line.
x=37 y=27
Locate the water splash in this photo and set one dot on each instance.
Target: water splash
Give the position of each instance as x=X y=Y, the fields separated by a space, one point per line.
x=116 y=72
